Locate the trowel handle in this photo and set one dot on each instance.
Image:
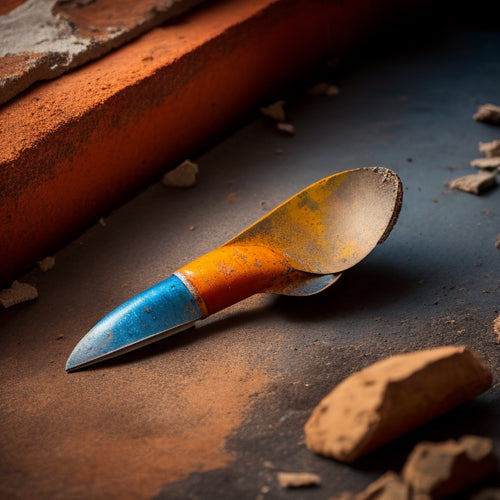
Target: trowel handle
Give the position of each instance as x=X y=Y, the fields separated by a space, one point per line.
x=232 y=273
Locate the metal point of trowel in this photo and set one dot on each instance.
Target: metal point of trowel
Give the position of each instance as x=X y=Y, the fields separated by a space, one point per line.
x=299 y=248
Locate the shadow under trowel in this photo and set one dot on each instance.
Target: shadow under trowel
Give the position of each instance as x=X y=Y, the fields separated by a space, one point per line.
x=366 y=286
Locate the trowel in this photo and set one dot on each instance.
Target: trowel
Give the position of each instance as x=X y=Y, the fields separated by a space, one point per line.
x=300 y=248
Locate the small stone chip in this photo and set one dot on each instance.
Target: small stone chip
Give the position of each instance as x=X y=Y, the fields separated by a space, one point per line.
x=496 y=326
x=46 y=264
x=286 y=128
x=17 y=293
x=183 y=176
x=447 y=468
x=486 y=163
x=275 y=111
x=488 y=113
x=324 y=88
x=490 y=149
x=475 y=183
x=298 y=479
x=497 y=242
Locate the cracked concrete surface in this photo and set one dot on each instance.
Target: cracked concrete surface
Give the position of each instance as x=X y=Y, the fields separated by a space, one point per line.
x=42 y=39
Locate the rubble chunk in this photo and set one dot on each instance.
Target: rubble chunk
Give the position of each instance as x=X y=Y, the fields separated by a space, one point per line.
x=486 y=163
x=490 y=149
x=488 y=113
x=17 y=293
x=183 y=176
x=323 y=88
x=275 y=111
x=447 y=468
x=497 y=242
x=286 y=128
x=371 y=407
x=46 y=264
x=298 y=479
x=475 y=183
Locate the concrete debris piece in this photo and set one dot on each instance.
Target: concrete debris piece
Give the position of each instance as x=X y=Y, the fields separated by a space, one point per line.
x=487 y=494
x=447 y=468
x=371 y=407
x=183 y=176
x=488 y=113
x=17 y=293
x=486 y=163
x=324 y=88
x=275 y=111
x=286 y=128
x=497 y=242
x=490 y=149
x=298 y=479
x=46 y=264
x=475 y=183
x=42 y=39
x=387 y=487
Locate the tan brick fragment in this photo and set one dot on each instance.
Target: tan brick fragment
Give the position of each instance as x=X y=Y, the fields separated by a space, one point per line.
x=490 y=149
x=17 y=293
x=486 y=163
x=488 y=113
x=389 y=398
x=298 y=479
x=475 y=183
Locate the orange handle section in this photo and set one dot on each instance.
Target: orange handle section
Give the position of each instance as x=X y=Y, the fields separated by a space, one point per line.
x=232 y=273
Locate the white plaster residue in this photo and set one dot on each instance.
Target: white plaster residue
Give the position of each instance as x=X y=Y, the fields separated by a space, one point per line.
x=42 y=31
x=47 y=44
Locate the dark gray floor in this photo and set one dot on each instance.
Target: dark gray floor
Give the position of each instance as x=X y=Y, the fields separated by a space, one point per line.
x=405 y=103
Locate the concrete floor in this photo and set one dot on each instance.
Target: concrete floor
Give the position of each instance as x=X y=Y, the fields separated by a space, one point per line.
x=216 y=411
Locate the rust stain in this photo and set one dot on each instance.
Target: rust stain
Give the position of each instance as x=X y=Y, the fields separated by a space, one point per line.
x=122 y=433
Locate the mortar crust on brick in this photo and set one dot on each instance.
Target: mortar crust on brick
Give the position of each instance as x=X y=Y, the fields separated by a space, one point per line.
x=42 y=39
